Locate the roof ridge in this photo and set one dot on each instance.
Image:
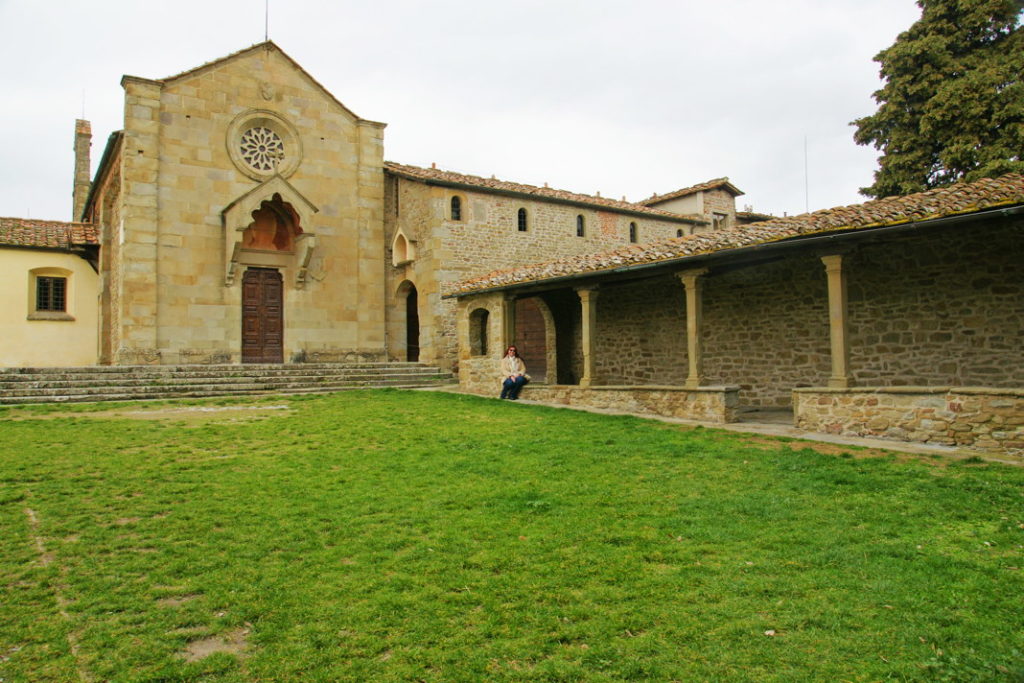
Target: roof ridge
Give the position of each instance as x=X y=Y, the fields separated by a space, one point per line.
x=496 y=184
x=693 y=189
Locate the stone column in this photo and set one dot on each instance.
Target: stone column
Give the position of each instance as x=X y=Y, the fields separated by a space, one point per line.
x=838 y=321
x=588 y=303
x=508 y=322
x=694 y=321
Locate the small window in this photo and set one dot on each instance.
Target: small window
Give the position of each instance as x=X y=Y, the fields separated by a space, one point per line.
x=679 y=233
x=580 y=229
x=456 y=209
x=632 y=233
x=719 y=220
x=51 y=294
x=522 y=220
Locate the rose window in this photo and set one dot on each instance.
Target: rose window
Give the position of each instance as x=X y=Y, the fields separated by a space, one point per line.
x=261 y=148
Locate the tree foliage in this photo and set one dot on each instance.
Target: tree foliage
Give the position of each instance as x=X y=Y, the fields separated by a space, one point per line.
x=952 y=106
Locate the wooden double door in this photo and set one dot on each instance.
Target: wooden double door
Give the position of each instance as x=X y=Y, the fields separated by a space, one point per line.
x=262 y=316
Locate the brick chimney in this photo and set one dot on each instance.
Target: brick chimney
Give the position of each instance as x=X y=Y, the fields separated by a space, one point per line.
x=83 y=141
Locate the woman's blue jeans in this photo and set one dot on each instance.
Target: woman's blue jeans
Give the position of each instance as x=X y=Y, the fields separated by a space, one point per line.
x=510 y=388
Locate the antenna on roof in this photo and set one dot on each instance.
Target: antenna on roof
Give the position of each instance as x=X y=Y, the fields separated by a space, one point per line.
x=807 y=201
x=266 y=20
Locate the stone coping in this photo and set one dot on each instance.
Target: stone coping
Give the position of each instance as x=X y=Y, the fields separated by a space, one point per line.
x=635 y=387
x=981 y=391
x=654 y=387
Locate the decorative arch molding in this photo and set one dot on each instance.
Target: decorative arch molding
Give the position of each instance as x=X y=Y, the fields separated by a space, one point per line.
x=403 y=249
x=290 y=251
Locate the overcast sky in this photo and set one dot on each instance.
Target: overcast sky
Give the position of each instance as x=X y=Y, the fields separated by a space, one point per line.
x=622 y=98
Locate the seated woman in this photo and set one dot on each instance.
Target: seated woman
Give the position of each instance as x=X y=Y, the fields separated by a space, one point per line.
x=513 y=374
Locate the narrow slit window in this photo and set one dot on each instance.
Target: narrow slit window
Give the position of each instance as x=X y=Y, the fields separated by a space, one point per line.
x=580 y=228
x=456 y=209
x=521 y=220
x=632 y=233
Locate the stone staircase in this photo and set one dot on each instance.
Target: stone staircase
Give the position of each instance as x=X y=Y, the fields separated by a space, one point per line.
x=130 y=383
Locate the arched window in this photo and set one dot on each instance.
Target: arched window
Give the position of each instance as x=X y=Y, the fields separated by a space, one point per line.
x=679 y=233
x=632 y=232
x=522 y=220
x=478 y=331
x=456 y=209
x=580 y=230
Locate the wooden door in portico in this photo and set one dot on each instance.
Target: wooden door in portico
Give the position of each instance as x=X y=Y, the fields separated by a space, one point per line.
x=262 y=316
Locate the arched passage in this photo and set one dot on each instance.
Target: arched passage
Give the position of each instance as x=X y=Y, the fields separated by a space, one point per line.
x=408 y=296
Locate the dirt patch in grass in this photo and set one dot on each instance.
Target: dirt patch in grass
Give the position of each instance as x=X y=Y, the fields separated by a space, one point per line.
x=177 y=600
x=765 y=443
x=233 y=642
x=186 y=414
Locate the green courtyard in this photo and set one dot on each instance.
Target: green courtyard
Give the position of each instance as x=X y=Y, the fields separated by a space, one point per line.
x=418 y=536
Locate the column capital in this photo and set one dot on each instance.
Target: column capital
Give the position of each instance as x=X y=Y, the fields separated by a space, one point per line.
x=691 y=275
x=832 y=261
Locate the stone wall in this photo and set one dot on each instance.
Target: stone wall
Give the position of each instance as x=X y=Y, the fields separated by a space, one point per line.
x=766 y=329
x=642 y=331
x=986 y=419
x=708 y=404
x=944 y=308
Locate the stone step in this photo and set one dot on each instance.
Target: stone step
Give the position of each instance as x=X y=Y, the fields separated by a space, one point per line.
x=43 y=381
x=125 y=383
x=19 y=374
x=195 y=393
x=233 y=386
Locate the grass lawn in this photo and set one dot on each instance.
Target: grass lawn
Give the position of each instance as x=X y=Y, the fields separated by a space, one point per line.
x=406 y=536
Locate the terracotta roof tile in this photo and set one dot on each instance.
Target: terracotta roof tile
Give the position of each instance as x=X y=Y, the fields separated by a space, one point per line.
x=694 y=189
x=28 y=232
x=954 y=200
x=461 y=179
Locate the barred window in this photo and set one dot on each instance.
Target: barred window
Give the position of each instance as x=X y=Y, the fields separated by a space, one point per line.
x=580 y=231
x=51 y=293
x=522 y=220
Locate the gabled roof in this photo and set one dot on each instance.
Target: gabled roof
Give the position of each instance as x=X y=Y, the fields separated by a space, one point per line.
x=265 y=45
x=38 y=234
x=715 y=184
x=956 y=200
x=435 y=176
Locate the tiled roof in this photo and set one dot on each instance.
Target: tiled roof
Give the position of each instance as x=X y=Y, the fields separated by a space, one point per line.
x=28 y=232
x=752 y=216
x=451 y=178
x=694 y=189
x=963 y=198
